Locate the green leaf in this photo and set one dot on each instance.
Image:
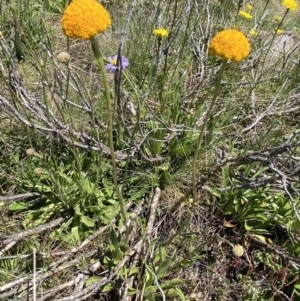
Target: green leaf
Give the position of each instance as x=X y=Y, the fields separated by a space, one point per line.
x=297 y=286
x=41 y=188
x=137 y=195
x=180 y=293
x=247 y=227
x=108 y=187
x=111 y=202
x=91 y=280
x=68 y=223
x=87 y=221
x=215 y=192
x=149 y=290
x=65 y=177
x=17 y=206
x=93 y=208
x=107 y=214
x=163 y=267
x=260 y=171
x=152 y=243
x=87 y=186
x=150 y=277
x=172 y=283
x=171 y=293
x=77 y=210
x=257 y=217
x=133 y=270
x=164 y=166
x=225 y=176
x=107 y=288
x=186 y=262
x=160 y=255
x=75 y=234
x=131 y=291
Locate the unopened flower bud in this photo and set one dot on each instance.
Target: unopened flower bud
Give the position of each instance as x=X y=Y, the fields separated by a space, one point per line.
x=63 y=57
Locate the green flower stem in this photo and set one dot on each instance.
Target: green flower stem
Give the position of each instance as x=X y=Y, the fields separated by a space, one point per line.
x=213 y=101
x=99 y=58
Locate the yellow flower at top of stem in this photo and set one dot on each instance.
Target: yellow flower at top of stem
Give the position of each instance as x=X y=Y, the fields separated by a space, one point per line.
x=230 y=44
x=249 y=6
x=84 y=19
x=290 y=4
x=160 y=32
x=245 y=15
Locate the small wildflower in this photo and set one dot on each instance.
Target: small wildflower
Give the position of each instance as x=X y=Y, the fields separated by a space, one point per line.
x=249 y=6
x=238 y=250
x=111 y=66
x=230 y=44
x=30 y=151
x=63 y=57
x=279 y=31
x=253 y=33
x=290 y=4
x=38 y=171
x=245 y=15
x=160 y=32
x=277 y=18
x=84 y=19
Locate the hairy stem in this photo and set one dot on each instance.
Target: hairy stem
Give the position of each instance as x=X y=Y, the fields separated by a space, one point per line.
x=99 y=58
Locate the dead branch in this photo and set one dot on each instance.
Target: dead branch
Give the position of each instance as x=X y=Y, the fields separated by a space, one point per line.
x=17 y=197
x=13 y=239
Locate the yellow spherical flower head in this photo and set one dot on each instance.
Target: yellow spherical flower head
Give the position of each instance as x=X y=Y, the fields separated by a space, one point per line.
x=160 y=32
x=84 y=19
x=290 y=4
x=230 y=44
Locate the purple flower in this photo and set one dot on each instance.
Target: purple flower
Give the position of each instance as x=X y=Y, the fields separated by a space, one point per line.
x=111 y=66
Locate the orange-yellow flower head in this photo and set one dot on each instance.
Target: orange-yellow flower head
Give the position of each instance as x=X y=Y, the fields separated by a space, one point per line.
x=230 y=44
x=290 y=4
x=84 y=19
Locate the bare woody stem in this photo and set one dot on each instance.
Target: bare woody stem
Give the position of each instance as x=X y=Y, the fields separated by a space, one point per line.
x=213 y=101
